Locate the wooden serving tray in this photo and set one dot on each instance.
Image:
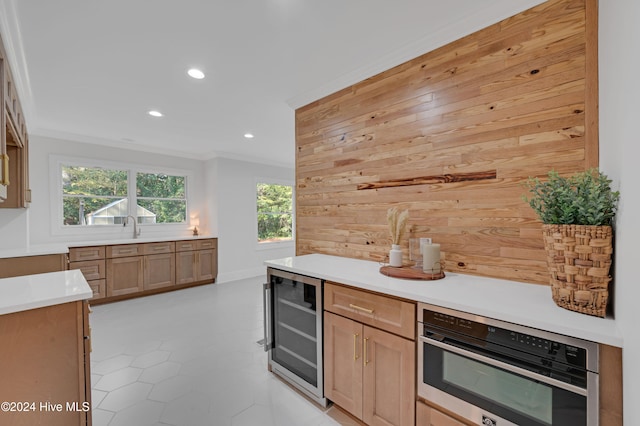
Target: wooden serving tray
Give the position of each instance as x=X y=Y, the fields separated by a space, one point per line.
x=409 y=273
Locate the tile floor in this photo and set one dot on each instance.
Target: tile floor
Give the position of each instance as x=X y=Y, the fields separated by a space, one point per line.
x=190 y=357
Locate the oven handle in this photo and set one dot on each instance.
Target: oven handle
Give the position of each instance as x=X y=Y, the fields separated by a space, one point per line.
x=505 y=366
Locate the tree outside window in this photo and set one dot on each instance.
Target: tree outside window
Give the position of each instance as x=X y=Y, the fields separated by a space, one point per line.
x=275 y=212
x=164 y=195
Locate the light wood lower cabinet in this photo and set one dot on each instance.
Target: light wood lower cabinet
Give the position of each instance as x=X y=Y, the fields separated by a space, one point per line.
x=125 y=275
x=48 y=361
x=159 y=271
x=117 y=271
x=429 y=416
x=91 y=261
x=369 y=372
x=196 y=261
x=28 y=265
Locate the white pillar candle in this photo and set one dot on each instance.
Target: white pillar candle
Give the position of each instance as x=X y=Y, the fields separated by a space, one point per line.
x=431 y=258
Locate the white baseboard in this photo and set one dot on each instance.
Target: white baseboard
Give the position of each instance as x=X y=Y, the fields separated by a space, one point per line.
x=242 y=274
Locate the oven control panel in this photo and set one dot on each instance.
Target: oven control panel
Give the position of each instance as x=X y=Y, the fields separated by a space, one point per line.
x=442 y=323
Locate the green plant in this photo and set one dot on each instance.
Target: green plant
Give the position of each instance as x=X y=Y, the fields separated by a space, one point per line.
x=585 y=198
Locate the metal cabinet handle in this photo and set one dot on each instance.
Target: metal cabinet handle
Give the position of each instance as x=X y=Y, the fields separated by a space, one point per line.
x=355 y=347
x=366 y=343
x=266 y=312
x=360 y=308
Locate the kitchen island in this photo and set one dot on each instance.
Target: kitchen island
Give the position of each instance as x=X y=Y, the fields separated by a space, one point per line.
x=44 y=364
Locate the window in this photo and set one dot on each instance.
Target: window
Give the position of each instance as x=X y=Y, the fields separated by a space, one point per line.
x=102 y=196
x=275 y=212
x=162 y=195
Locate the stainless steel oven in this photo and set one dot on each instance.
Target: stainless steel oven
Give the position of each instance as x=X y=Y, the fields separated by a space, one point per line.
x=496 y=373
x=293 y=330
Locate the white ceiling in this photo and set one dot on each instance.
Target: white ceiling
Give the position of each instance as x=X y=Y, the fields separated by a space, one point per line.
x=90 y=70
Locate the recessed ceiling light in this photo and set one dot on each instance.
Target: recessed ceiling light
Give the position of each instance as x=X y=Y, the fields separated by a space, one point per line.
x=196 y=73
x=155 y=113
x=248 y=135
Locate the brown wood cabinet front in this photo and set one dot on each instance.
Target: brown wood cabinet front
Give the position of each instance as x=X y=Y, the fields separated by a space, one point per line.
x=28 y=265
x=186 y=267
x=48 y=361
x=91 y=261
x=125 y=275
x=14 y=142
x=369 y=372
x=198 y=264
x=429 y=416
x=393 y=315
x=159 y=271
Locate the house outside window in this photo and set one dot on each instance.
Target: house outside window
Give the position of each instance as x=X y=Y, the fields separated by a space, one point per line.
x=275 y=212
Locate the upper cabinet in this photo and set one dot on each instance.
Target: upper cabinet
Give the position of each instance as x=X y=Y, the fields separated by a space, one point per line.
x=14 y=142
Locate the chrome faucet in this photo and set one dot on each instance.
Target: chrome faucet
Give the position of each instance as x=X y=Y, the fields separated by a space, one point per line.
x=136 y=231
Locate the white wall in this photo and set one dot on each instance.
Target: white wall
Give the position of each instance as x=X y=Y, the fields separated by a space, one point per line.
x=40 y=228
x=223 y=191
x=232 y=184
x=619 y=62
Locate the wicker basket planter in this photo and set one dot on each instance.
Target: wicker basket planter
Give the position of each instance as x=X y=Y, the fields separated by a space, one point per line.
x=579 y=258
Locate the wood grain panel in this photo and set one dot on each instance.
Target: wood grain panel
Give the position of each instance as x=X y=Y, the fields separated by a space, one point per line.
x=517 y=98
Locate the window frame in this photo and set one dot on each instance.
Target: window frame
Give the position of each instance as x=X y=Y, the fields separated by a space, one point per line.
x=56 y=199
x=268 y=245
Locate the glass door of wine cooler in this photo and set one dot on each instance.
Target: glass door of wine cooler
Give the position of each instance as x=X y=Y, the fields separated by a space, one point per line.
x=295 y=329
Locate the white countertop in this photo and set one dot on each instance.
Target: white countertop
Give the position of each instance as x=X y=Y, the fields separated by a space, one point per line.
x=136 y=241
x=34 y=250
x=43 y=249
x=37 y=291
x=530 y=305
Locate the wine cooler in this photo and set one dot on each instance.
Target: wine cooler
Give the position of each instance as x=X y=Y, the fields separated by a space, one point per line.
x=293 y=330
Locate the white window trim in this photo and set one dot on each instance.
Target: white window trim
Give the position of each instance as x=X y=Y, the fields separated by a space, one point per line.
x=55 y=191
x=271 y=245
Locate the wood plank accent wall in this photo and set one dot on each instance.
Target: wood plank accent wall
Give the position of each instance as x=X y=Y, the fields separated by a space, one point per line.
x=513 y=100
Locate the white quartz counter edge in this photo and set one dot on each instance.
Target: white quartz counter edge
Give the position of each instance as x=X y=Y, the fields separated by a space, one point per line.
x=519 y=303
x=37 y=291
x=43 y=249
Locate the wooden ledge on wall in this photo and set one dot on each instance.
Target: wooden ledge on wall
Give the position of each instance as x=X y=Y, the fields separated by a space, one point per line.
x=426 y=180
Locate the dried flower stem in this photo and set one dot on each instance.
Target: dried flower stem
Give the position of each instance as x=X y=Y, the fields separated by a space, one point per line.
x=397 y=223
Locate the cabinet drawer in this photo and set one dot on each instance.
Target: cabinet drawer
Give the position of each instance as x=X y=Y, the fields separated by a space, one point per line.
x=99 y=288
x=393 y=315
x=186 y=245
x=91 y=269
x=124 y=250
x=77 y=254
x=207 y=244
x=158 y=248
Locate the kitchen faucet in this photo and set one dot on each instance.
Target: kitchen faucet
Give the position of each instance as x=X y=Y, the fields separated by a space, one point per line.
x=136 y=231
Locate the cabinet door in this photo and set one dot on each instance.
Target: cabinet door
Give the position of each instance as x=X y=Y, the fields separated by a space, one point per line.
x=124 y=275
x=207 y=265
x=185 y=267
x=343 y=362
x=159 y=270
x=43 y=359
x=388 y=379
